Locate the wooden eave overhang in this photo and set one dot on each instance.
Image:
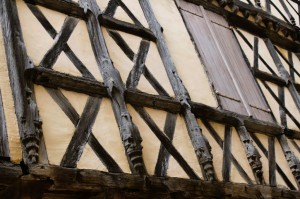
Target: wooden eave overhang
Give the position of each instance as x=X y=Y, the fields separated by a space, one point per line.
x=256 y=21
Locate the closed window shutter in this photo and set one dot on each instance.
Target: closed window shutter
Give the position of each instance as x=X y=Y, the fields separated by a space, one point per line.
x=233 y=82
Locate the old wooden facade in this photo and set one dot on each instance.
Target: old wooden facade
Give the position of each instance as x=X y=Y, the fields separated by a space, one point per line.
x=149 y=99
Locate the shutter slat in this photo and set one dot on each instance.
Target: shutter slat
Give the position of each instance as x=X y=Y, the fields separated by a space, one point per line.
x=242 y=73
x=214 y=63
x=218 y=50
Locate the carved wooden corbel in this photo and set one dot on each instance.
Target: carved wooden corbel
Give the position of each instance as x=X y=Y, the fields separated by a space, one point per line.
x=252 y=154
x=115 y=88
x=32 y=129
x=200 y=143
x=292 y=160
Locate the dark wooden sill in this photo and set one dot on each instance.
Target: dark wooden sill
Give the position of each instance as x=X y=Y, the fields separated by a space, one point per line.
x=58 y=182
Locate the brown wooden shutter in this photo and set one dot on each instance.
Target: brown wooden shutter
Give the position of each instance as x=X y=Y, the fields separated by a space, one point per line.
x=233 y=82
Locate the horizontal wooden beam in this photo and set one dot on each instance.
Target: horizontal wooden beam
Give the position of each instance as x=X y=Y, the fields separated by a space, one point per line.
x=256 y=21
x=61 y=182
x=273 y=78
x=133 y=29
x=53 y=79
x=64 y=6
x=73 y=9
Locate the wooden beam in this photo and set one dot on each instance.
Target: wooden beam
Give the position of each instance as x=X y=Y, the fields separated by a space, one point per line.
x=281 y=104
x=252 y=153
x=60 y=40
x=199 y=142
x=162 y=162
x=53 y=79
x=229 y=155
x=166 y=142
x=139 y=65
x=115 y=89
x=76 y=183
x=115 y=24
x=226 y=168
x=82 y=133
x=52 y=32
x=4 y=145
x=277 y=166
x=131 y=55
x=292 y=160
x=272 y=78
x=272 y=161
x=67 y=7
x=23 y=93
x=74 y=117
x=284 y=74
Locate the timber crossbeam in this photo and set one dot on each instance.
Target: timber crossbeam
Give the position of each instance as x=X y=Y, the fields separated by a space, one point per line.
x=53 y=79
x=59 y=182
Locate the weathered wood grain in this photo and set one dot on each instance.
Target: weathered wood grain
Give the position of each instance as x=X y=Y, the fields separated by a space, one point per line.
x=272 y=161
x=82 y=133
x=199 y=142
x=115 y=89
x=23 y=93
x=226 y=168
x=116 y=24
x=63 y=6
x=284 y=73
x=130 y=54
x=255 y=53
x=75 y=183
x=278 y=168
x=52 y=79
x=162 y=163
x=139 y=65
x=72 y=9
x=281 y=104
x=111 y=8
x=252 y=47
x=166 y=142
x=4 y=145
x=74 y=117
x=60 y=40
x=292 y=160
x=52 y=32
x=288 y=61
x=252 y=153
x=220 y=142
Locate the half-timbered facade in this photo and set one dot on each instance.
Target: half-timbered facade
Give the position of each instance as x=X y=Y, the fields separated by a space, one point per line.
x=149 y=99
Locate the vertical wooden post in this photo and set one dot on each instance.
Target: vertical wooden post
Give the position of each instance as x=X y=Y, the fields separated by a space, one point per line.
x=200 y=143
x=23 y=94
x=284 y=73
x=4 y=145
x=115 y=87
x=253 y=155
